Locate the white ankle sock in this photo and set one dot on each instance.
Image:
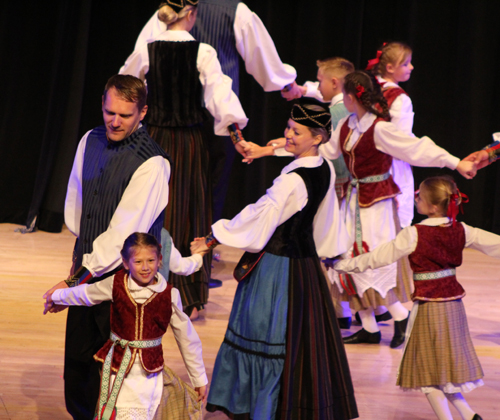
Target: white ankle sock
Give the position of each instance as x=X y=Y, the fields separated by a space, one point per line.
x=461 y=405
x=439 y=404
x=398 y=311
x=368 y=320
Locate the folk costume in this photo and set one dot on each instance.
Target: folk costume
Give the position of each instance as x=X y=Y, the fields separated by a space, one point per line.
x=368 y=207
x=115 y=189
x=234 y=31
x=282 y=329
x=439 y=351
x=140 y=316
x=401 y=111
x=183 y=77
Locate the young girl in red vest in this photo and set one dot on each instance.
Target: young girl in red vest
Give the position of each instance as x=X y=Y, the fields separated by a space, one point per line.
x=439 y=358
x=368 y=143
x=143 y=305
x=392 y=66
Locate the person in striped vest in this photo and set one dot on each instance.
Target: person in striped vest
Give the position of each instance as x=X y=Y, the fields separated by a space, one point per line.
x=118 y=185
x=439 y=357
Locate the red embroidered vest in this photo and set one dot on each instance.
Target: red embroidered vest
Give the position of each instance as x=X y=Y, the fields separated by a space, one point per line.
x=365 y=160
x=438 y=248
x=133 y=321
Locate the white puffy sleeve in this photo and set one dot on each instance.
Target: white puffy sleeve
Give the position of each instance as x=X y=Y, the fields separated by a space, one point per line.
x=85 y=294
x=188 y=342
x=252 y=228
x=183 y=266
x=404 y=244
x=402 y=114
x=73 y=202
x=486 y=242
x=220 y=100
x=416 y=151
x=258 y=51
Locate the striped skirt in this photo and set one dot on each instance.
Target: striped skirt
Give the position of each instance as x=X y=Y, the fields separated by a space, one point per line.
x=283 y=355
x=439 y=351
x=189 y=210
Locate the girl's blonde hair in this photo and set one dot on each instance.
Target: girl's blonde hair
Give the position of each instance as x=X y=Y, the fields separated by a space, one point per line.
x=168 y=15
x=439 y=191
x=393 y=53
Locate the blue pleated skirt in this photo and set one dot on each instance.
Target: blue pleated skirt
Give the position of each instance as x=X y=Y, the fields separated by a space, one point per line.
x=249 y=365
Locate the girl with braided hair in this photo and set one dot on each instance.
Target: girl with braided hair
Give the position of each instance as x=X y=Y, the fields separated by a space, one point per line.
x=439 y=358
x=368 y=142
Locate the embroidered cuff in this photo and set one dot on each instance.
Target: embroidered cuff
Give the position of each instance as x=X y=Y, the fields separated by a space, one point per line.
x=81 y=276
x=211 y=241
x=235 y=133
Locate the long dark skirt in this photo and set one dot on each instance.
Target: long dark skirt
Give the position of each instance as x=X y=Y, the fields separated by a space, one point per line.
x=283 y=355
x=189 y=210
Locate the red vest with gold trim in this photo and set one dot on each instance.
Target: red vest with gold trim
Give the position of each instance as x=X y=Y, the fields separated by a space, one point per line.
x=365 y=160
x=133 y=321
x=438 y=248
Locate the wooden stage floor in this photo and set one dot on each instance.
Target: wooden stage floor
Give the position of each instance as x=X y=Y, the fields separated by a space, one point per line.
x=31 y=345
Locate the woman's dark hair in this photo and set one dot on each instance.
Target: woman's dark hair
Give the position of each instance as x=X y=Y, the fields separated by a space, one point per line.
x=365 y=88
x=139 y=240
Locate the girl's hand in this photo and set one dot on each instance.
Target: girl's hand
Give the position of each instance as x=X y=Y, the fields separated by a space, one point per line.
x=198 y=246
x=467 y=169
x=49 y=305
x=202 y=393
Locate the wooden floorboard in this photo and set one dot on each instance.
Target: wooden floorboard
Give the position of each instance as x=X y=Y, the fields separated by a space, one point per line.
x=32 y=345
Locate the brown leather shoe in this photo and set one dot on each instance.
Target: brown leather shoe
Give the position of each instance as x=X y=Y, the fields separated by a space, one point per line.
x=363 y=336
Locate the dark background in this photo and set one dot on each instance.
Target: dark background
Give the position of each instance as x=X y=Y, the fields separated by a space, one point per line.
x=57 y=56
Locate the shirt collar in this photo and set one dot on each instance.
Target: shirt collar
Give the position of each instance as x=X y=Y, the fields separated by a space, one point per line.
x=337 y=99
x=363 y=124
x=305 y=162
x=435 y=221
x=386 y=83
x=175 y=36
x=158 y=287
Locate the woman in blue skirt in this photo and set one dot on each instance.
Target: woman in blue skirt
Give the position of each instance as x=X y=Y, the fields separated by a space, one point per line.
x=282 y=355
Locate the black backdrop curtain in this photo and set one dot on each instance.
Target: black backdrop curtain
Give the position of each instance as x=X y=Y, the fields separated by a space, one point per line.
x=58 y=55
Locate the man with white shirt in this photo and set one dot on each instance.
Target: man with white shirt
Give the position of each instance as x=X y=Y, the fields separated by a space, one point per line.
x=118 y=186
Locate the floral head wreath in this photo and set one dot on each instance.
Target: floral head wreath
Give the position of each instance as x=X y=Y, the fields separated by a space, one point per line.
x=456 y=201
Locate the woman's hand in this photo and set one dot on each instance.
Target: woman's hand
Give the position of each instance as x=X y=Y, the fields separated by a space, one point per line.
x=277 y=143
x=254 y=151
x=480 y=158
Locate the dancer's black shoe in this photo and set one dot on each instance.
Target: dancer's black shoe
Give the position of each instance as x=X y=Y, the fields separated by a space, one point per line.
x=345 y=322
x=399 y=332
x=363 y=336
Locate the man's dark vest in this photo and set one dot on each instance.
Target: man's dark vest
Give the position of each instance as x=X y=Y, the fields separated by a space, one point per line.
x=216 y=28
x=107 y=169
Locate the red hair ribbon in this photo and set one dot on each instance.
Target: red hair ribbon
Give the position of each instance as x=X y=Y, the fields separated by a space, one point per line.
x=360 y=90
x=454 y=205
x=374 y=61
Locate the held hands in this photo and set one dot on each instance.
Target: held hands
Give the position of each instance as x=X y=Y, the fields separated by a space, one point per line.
x=49 y=305
x=255 y=151
x=198 y=246
x=202 y=393
x=293 y=92
x=242 y=147
x=467 y=168
x=480 y=158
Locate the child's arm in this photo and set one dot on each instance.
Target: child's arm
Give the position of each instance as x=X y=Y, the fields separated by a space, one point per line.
x=189 y=345
x=184 y=266
x=404 y=244
x=83 y=295
x=486 y=242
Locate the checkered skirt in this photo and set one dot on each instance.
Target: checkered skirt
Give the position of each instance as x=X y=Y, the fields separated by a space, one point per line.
x=439 y=350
